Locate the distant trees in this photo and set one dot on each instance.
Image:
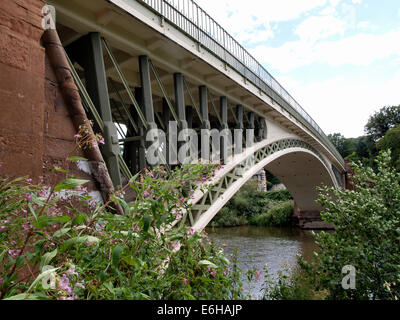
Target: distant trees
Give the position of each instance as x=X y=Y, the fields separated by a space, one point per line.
x=391 y=140
x=382 y=121
x=365 y=148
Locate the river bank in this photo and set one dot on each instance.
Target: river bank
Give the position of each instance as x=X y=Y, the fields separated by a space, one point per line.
x=251 y=206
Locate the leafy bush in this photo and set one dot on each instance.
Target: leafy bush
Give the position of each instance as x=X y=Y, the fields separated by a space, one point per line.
x=278 y=215
x=366 y=235
x=250 y=202
x=56 y=243
x=289 y=285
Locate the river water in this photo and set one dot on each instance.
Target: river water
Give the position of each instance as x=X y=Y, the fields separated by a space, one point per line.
x=258 y=246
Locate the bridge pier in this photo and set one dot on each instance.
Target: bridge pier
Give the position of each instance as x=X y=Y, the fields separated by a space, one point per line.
x=309 y=219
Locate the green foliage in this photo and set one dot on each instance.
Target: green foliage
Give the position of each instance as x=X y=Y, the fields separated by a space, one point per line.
x=339 y=141
x=391 y=141
x=248 y=203
x=72 y=249
x=289 y=285
x=277 y=215
x=271 y=179
x=382 y=121
x=355 y=149
x=367 y=235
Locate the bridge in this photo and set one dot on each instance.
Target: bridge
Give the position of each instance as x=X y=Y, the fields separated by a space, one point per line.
x=139 y=65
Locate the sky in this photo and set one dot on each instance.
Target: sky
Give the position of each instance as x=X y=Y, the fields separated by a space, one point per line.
x=340 y=59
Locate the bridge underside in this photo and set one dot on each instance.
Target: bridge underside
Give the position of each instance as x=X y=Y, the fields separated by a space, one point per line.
x=132 y=78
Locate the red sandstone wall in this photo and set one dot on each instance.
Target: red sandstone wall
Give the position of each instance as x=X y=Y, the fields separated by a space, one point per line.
x=36 y=131
x=22 y=100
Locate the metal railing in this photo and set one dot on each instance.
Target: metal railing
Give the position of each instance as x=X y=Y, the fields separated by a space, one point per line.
x=187 y=16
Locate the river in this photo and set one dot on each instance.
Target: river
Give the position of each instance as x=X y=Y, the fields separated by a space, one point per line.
x=258 y=246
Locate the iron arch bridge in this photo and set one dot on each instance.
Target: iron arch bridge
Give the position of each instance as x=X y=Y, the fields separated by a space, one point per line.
x=141 y=64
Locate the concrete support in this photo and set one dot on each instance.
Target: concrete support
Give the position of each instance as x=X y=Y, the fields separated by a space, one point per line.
x=203 y=97
x=238 y=132
x=260 y=131
x=180 y=99
x=88 y=52
x=147 y=101
x=189 y=116
x=309 y=219
x=239 y=116
x=226 y=138
x=166 y=116
x=140 y=146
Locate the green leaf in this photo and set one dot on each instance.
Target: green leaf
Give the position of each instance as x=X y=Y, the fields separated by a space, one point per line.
x=146 y=222
x=75 y=158
x=61 y=232
x=47 y=257
x=208 y=264
x=82 y=239
x=41 y=276
x=44 y=221
x=79 y=219
x=24 y=296
x=32 y=211
x=116 y=254
x=109 y=287
x=2 y=255
x=70 y=183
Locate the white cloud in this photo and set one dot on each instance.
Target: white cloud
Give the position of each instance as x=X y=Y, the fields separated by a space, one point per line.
x=356 y=1
x=365 y=25
x=343 y=104
x=359 y=50
x=244 y=22
x=319 y=27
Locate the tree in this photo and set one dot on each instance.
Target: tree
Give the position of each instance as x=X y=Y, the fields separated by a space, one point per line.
x=381 y=121
x=391 y=140
x=338 y=140
x=366 y=235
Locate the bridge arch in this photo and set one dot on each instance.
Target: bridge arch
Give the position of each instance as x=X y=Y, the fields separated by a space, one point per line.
x=297 y=164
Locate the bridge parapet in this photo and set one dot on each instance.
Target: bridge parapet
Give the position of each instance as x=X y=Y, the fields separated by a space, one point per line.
x=191 y=19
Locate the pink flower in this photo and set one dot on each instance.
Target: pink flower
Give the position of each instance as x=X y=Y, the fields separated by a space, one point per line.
x=182 y=200
x=258 y=275
x=213 y=273
x=6 y=199
x=63 y=284
x=219 y=166
x=102 y=141
x=29 y=180
x=137 y=228
x=191 y=232
x=94 y=144
x=185 y=280
x=183 y=183
x=72 y=271
x=29 y=196
x=204 y=179
x=146 y=193
x=178 y=214
x=175 y=245
x=77 y=136
x=2 y=228
x=80 y=284
x=27 y=227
